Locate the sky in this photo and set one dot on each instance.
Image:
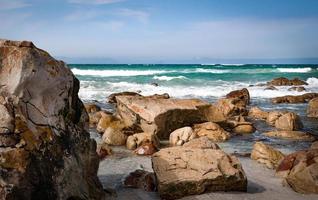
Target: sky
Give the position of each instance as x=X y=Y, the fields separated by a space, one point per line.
x=166 y=31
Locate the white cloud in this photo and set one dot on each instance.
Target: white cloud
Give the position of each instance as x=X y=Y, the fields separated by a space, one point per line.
x=82 y=15
x=94 y=2
x=12 y=4
x=140 y=15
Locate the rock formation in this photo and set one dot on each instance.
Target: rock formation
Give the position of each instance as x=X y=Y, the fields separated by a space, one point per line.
x=282 y=81
x=312 y=109
x=304 y=98
x=45 y=151
x=182 y=171
x=181 y=136
x=291 y=135
x=211 y=130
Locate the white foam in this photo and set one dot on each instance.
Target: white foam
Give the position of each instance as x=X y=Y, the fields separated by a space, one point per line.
x=295 y=70
x=213 y=71
x=312 y=82
x=109 y=73
x=168 y=78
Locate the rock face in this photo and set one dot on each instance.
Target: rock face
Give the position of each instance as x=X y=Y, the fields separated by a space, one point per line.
x=243 y=95
x=286 y=82
x=291 y=135
x=238 y=125
x=112 y=98
x=160 y=116
x=181 y=136
x=182 y=171
x=212 y=130
x=300 y=171
x=202 y=143
x=295 y=99
x=256 y=112
x=46 y=154
x=289 y=122
x=266 y=154
x=312 y=109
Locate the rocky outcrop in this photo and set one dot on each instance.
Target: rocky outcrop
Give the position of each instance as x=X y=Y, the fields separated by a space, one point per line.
x=312 y=109
x=160 y=116
x=291 y=135
x=141 y=179
x=304 y=98
x=298 y=89
x=281 y=81
x=256 y=112
x=182 y=171
x=112 y=98
x=136 y=140
x=46 y=153
x=299 y=169
x=266 y=154
x=243 y=95
x=289 y=122
x=202 y=143
x=181 y=136
x=211 y=130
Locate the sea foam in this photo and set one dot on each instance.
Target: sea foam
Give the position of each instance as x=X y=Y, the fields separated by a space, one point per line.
x=168 y=78
x=295 y=70
x=109 y=73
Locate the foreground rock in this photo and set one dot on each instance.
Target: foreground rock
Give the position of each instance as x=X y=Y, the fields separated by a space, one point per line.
x=211 y=130
x=289 y=122
x=141 y=179
x=112 y=98
x=181 y=136
x=300 y=170
x=304 y=98
x=291 y=135
x=183 y=171
x=286 y=82
x=243 y=95
x=160 y=116
x=238 y=125
x=312 y=109
x=114 y=137
x=256 y=112
x=54 y=157
x=266 y=154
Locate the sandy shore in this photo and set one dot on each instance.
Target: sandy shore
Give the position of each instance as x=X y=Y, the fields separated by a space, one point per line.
x=262 y=183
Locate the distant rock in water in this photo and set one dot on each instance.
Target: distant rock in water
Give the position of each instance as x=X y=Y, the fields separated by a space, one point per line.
x=312 y=109
x=298 y=89
x=45 y=151
x=295 y=99
x=243 y=95
x=282 y=81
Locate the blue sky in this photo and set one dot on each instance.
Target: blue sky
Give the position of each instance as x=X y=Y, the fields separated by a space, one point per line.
x=163 y=31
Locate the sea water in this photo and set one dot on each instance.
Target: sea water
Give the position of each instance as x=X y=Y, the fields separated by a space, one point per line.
x=207 y=82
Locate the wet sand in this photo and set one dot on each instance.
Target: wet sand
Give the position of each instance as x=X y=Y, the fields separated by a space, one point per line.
x=262 y=183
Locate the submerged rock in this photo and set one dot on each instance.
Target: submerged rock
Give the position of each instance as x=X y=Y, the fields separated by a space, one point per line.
x=282 y=81
x=211 y=130
x=266 y=154
x=298 y=89
x=300 y=170
x=183 y=171
x=55 y=157
x=271 y=88
x=181 y=136
x=312 y=109
x=304 y=98
x=291 y=135
x=160 y=116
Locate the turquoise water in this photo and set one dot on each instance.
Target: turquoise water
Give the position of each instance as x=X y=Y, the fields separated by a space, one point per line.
x=208 y=82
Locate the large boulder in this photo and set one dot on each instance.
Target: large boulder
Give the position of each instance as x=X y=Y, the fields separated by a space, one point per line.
x=242 y=94
x=238 y=125
x=181 y=136
x=226 y=108
x=266 y=154
x=291 y=135
x=141 y=179
x=182 y=171
x=257 y=113
x=160 y=116
x=304 y=98
x=112 y=98
x=212 y=130
x=202 y=143
x=300 y=170
x=108 y=121
x=114 y=137
x=312 y=109
x=273 y=116
x=289 y=122
x=40 y=109
x=282 y=81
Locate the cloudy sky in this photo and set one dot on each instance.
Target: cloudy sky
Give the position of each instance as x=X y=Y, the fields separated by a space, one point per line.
x=163 y=31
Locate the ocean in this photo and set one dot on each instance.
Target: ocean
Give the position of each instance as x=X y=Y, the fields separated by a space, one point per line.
x=207 y=82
